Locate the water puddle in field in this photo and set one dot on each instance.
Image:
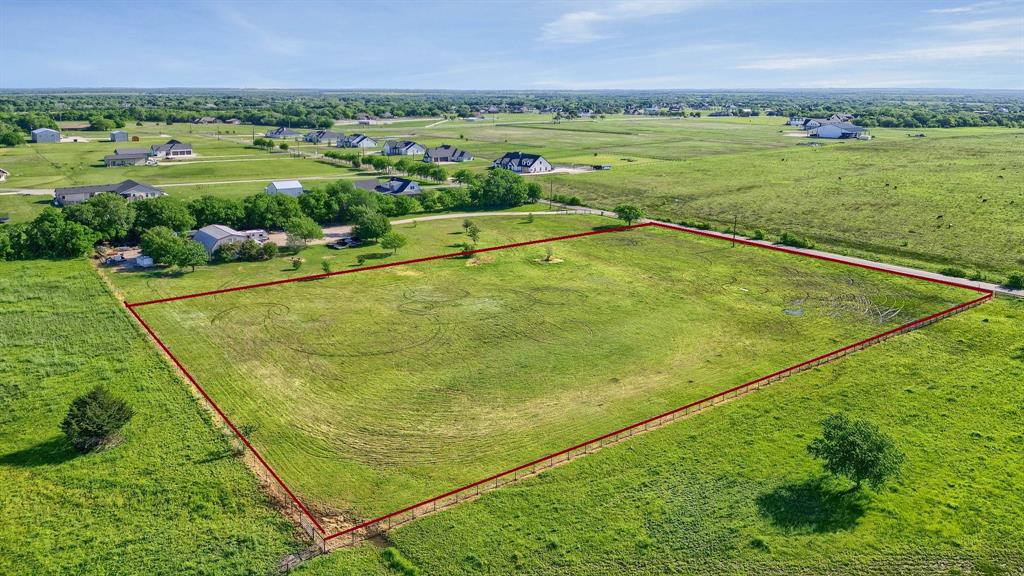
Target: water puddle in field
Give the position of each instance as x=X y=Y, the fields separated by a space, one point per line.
x=794 y=311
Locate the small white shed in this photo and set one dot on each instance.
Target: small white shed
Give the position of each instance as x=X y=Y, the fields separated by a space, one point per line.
x=289 y=187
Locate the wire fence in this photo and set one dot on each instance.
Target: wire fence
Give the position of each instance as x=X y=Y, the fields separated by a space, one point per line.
x=377 y=526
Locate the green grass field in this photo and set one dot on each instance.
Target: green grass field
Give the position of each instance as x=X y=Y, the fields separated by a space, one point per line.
x=733 y=490
x=170 y=499
x=951 y=198
x=392 y=386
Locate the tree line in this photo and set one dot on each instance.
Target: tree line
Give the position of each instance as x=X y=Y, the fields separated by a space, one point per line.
x=108 y=218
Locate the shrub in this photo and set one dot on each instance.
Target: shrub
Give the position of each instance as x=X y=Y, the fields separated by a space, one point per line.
x=249 y=250
x=269 y=250
x=759 y=234
x=954 y=272
x=1015 y=281
x=296 y=263
x=94 y=419
x=789 y=239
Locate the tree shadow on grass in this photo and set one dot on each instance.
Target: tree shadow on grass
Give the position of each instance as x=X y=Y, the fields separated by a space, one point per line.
x=812 y=506
x=56 y=450
x=608 y=226
x=370 y=256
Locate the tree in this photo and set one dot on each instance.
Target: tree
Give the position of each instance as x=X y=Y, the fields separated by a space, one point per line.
x=10 y=136
x=628 y=213
x=500 y=188
x=249 y=250
x=320 y=205
x=464 y=177
x=161 y=244
x=94 y=419
x=109 y=215
x=165 y=211
x=856 y=449
x=392 y=241
x=265 y=143
x=473 y=231
x=270 y=212
x=370 y=225
x=534 y=191
x=216 y=210
x=51 y=235
x=190 y=253
x=101 y=124
x=304 y=228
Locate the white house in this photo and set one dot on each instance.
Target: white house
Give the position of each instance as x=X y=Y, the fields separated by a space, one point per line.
x=45 y=135
x=288 y=187
x=403 y=148
x=523 y=163
x=838 y=130
x=171 y=149
x=357 y=141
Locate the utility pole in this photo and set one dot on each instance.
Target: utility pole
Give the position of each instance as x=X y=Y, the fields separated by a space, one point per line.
x=734 y=230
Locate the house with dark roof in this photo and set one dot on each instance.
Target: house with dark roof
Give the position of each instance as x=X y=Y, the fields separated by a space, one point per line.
x=129 y=190
x=327 y=136
x=171 y=149
x=282 y=132
x=446 y=153
x=45 y=136
x=523 y=163
x=357 y=141
x=838 y=130
x=127 y=157
x=216 y=235
x=402 y=148
x=393 y=187
x=840 y=117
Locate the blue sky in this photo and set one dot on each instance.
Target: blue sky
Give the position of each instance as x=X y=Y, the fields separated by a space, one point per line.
x=643 y=44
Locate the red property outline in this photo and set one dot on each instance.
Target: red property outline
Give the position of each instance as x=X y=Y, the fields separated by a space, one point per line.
x=324 y=537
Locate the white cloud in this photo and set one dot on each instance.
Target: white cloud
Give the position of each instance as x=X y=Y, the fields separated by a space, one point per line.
x=959 y=51
x=976 y=7
x=981 y=25
x=583 y=26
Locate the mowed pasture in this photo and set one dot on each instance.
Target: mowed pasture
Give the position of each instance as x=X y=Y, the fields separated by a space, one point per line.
x=734 y=491
x=170 y=498
x=370 y=391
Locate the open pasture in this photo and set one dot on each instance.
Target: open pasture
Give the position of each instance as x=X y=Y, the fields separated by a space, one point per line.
x=370 y=391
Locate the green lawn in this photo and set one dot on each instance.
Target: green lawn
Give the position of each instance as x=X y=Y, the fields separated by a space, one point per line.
x=392 y=386
x=733 y=490
x=170 y=499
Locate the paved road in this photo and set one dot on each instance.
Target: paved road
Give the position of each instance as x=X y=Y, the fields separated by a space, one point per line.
x=26 y=191
x=843 y=258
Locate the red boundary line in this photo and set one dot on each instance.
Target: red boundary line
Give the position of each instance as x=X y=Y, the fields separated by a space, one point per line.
x=987 y=295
